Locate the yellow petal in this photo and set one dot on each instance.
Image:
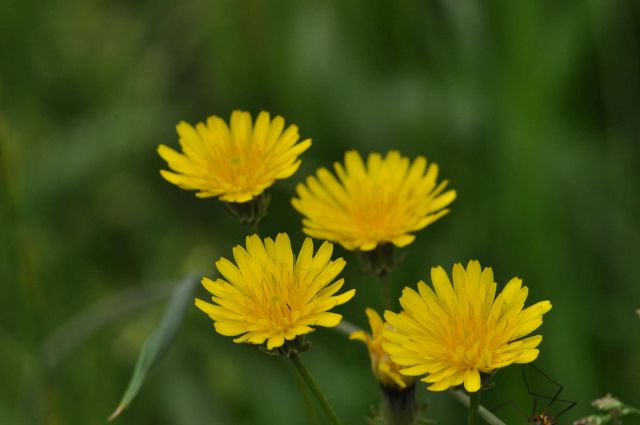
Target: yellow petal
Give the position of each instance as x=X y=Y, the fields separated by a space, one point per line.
x=472 y=380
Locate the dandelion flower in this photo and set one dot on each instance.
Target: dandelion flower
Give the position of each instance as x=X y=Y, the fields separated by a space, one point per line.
x=235 y=163
x=462 y=330
x=385 y=371
x=270 y=296
x=382 y=201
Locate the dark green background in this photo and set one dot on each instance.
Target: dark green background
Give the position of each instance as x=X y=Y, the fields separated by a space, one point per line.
x=531 y=109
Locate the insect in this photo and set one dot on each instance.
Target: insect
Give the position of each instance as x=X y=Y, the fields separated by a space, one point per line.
x=545 y=417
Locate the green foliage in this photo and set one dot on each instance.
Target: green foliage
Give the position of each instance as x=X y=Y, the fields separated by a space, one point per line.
x=529 y=107
x=613 y=412
x=156 y=346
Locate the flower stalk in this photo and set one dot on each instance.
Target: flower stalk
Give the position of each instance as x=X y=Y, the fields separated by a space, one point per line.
x=399 y=406
x=379 y=261
x=313 y=386
x=474 y=405
x=385 y=291
x=484 y=413
x=251 y=212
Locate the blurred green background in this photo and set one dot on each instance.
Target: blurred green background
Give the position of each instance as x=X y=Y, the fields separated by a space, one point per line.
x=531 y=109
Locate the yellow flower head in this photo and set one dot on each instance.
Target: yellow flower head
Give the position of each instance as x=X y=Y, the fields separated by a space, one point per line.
x=371 y=204
x=236 y=162
x=463 y=329
x=270 y=295
x=385 y=371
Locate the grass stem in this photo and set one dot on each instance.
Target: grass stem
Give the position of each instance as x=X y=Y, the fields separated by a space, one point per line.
x=313 y=386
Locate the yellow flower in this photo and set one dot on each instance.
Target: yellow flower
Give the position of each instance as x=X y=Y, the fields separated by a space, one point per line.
x=270 y=295
x=235 y=163
x=385 y=371
x=373 y=204
x=458 y=331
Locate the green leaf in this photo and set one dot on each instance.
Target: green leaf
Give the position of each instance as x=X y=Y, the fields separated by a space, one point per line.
x=157 y=345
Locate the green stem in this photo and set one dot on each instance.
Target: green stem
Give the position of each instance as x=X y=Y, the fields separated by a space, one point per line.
x=398 y=406
x=385 y=292
x=485 y=414
x=255 y=228
x=474 y=404
x=313 y=386
x=308 y=401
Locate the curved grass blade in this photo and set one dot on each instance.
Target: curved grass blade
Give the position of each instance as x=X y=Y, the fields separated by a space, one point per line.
x=156 y=346
x=66 y=339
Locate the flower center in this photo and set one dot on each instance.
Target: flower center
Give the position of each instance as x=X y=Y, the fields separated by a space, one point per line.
x=245 y=166
x=468 y=344
x=277 y=301
x=374 y=212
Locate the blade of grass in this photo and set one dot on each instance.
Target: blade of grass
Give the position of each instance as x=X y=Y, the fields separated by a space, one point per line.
x=346 y=327
x=72 y=334
x=157 y=345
